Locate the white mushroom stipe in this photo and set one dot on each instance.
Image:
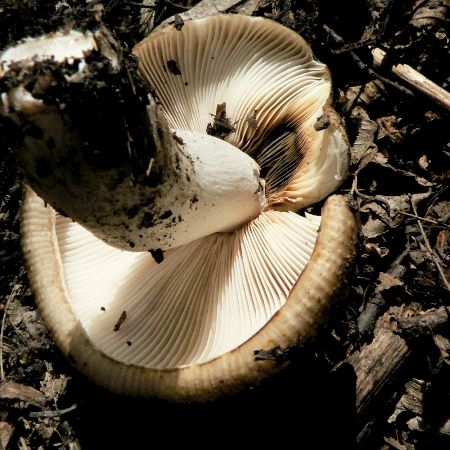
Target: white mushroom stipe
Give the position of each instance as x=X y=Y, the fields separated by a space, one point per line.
x=214 y=187
x=204 y=299
x=226 y=194
x=204 y=184
x=274 y=91
x=56 y=46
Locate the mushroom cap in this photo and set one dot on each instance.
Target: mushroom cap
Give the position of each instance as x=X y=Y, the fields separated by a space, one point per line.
x=166 y=330
x=273 y=90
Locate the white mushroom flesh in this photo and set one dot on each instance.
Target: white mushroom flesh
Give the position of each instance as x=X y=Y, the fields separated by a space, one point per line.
x=57 y=46
x=202 y=300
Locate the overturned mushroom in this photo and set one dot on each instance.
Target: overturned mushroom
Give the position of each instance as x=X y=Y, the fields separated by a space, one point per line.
x=265 y=81
x=188 y=327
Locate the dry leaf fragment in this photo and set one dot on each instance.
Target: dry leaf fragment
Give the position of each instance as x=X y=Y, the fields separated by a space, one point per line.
x=434 y=11
x=388 y=129
x=442 y=239
x=372 y=247
x=53 y=386
x=424 y=162
x=373 y=228
x=387 y=281
x=363 y=145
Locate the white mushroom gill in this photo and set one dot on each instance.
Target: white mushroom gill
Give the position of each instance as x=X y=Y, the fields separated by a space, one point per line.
x=273 y=90
x=204 y=299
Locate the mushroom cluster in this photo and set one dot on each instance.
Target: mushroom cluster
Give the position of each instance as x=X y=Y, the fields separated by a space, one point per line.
x=170 y=289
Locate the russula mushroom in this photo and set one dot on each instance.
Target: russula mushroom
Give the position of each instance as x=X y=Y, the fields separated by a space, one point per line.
x=273 y=92
x=100 y=155
x=188 y=327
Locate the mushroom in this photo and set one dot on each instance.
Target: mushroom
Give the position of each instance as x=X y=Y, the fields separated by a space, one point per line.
x=273 y=91
x=189 y=323
x=191 y=327
x=99 y=153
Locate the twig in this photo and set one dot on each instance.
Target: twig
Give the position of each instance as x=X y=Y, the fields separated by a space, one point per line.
x=414 y=79
x=168 y=2
x=206 y=8
x=371 y=198
x=430 y=250
x=424 y=219
x=376 y=302
x=176 y=5
x=363 y=67
x=57 y=413
x=425 y=323
x=140 y=5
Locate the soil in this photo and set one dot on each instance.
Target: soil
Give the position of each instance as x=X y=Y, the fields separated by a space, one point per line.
x=378 y=376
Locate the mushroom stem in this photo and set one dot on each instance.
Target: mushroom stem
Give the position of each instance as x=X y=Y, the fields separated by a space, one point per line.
x=93 y=148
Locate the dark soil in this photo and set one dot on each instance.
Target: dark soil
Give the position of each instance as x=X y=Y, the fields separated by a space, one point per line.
x=399 y=185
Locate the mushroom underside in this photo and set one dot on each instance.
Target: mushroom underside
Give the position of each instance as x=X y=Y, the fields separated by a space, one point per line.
x=185 y=323
x=123 y=350
x=202 y=300
x=257 y=85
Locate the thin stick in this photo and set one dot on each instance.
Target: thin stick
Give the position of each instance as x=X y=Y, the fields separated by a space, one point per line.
x=140 y=5
x=168 y=2
x=23 y=444
x=430 y=250
x=371 y=198
x=57 y=413
x=364 y=68
x=424 y=219
x=414 y=79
